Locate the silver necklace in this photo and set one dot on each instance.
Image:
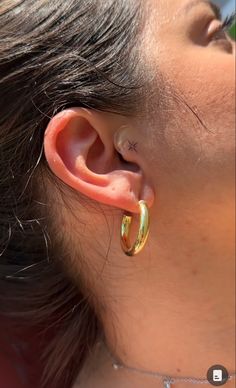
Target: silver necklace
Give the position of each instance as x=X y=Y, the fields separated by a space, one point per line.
x=168 y=381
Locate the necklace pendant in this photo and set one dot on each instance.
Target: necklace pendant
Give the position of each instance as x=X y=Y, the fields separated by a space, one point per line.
x=167 y=383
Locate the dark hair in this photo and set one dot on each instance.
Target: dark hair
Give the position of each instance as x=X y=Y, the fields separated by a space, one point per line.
x=55 y=55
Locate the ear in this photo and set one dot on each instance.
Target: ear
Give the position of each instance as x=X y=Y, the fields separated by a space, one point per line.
x=79 y=148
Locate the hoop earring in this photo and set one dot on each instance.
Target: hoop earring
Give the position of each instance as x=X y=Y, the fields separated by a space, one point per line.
x=142 y=233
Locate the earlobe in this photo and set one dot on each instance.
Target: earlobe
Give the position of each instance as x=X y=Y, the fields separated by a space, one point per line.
x=78 y=146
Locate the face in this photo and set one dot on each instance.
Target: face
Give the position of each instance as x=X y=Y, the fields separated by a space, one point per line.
x=196 y=161
x=201 y=70
x=192 y=164
x=180 y=158
x=184 y=149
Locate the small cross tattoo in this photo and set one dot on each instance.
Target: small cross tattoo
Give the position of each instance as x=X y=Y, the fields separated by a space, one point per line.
x=132 y=146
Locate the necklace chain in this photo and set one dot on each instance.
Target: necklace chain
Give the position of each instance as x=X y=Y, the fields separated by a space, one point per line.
x=167 y=380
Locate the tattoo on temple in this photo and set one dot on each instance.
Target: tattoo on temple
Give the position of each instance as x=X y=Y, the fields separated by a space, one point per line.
x=132 y=146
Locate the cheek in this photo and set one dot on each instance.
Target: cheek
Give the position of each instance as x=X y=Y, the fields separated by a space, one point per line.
x=210 y=85
x=206 y=76
x=205 y=79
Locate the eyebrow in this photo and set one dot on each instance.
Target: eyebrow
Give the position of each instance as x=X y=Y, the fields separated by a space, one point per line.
x=193 y=3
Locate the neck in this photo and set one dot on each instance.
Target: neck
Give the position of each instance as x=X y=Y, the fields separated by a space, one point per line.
x=99 y=372
x=171 y=309
x=171 y=315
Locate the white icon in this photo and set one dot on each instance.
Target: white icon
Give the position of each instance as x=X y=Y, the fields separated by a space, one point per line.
x=217 y=375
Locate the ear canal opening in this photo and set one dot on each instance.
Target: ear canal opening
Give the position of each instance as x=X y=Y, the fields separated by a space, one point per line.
x=129 y=165
x=122 y=159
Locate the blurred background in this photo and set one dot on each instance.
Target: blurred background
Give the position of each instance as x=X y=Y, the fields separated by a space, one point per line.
x=227 y=7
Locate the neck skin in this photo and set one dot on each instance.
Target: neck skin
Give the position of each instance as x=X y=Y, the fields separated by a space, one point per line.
x=171 y=309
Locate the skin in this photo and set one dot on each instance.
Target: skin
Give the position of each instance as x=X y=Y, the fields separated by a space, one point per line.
x=171 y=308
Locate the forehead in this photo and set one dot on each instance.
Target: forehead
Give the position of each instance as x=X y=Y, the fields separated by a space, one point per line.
x=164 y=7
x=158 y=14
x=167 y=10
x=163 y=16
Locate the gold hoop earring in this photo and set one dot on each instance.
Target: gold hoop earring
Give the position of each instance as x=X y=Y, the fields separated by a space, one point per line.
x=142 y=233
